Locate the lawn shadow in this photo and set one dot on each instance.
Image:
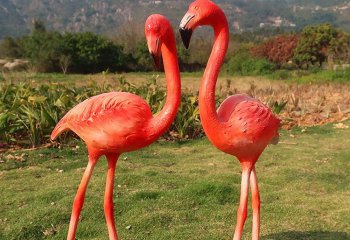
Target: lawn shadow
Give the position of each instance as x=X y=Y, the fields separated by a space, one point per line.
x=314 y=235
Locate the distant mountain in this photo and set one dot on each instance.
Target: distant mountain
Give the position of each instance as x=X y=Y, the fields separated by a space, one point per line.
x=106 y=16
x=11 y=21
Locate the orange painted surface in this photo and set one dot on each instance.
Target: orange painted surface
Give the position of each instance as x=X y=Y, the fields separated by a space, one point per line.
x=242 y=126
x=117 y=122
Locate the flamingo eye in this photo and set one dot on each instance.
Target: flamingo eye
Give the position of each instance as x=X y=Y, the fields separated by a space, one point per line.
x=196 y=8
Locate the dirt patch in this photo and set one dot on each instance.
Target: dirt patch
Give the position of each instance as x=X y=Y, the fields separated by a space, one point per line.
x=307 y=104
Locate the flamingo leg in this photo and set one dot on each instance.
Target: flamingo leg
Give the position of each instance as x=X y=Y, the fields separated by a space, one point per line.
x=79 y=199
x=255 y=205
x=243 y=204
x=108 y=200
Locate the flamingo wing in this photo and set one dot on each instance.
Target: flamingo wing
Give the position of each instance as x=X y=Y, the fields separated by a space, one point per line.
x=106 y=117
x=249 y=120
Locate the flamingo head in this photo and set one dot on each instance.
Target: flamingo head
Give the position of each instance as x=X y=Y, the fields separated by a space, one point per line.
x=200 y=12
x=156 y=28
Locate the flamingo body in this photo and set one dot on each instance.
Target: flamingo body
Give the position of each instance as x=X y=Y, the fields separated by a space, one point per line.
x=249 y=126
x=242 y=126
x=110 y=122
x=117 y=122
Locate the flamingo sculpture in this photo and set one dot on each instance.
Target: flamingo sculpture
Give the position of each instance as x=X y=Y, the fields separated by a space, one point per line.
x=117 y=122
x=242 y=126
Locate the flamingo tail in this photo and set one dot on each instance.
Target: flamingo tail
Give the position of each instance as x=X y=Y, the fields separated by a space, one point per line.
x=60 y=128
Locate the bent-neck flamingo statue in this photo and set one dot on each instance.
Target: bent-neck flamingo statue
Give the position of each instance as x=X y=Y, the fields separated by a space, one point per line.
x=117 y=122
x=242 y=126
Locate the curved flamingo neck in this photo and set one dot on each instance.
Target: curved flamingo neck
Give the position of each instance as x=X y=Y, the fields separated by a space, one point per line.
x=209 y=118
x=163 y=119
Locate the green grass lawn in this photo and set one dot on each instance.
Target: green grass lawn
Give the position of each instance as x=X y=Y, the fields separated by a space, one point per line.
x=312 y=76
x=184 y=190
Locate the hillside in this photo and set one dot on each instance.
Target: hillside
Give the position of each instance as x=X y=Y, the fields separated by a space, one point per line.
x=106 y=16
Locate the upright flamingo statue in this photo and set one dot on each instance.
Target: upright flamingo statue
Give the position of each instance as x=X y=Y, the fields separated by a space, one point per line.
x=117 y=122
x=242 y=126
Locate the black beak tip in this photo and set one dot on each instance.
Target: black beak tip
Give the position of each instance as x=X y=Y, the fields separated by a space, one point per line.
x=157 y=61
x=186 y=35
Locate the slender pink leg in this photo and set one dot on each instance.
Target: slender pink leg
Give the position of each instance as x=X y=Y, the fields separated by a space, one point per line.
x=79 y=199
x=255 y=205
x=108 y=201
x=243 y=204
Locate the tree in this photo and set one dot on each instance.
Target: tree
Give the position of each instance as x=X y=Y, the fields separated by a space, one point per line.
x=184 y=57
x=64 y=62
x=91 y=53
x=316 y=44
x=80 y=52
x=278 y=50
x=38 y=27
x=141 y=57
x=10 y=48
x=43 y=50
x=340 y=48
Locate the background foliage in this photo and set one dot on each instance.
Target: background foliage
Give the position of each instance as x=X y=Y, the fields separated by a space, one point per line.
x=258 y=53
x=76 y=52
x=319 y=42
x=243 y=63
x=30 y=111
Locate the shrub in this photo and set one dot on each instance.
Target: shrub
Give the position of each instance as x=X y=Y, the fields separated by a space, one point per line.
x=74 y=52
x=141 y=56
x=281 y=75
x=278 y=50
x=29 y=112
x=43 y=50
x=243 y=63
x=90 y=53
x=10 y=48
x=341 y=75
x=187 y=124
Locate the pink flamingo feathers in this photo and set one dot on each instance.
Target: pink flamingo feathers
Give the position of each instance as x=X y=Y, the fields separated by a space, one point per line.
x=117 y=122
x=242 y=126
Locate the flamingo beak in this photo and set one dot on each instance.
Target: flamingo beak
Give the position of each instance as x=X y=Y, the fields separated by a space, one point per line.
x=157 y=59
x=155 y=51
x=185 y=31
